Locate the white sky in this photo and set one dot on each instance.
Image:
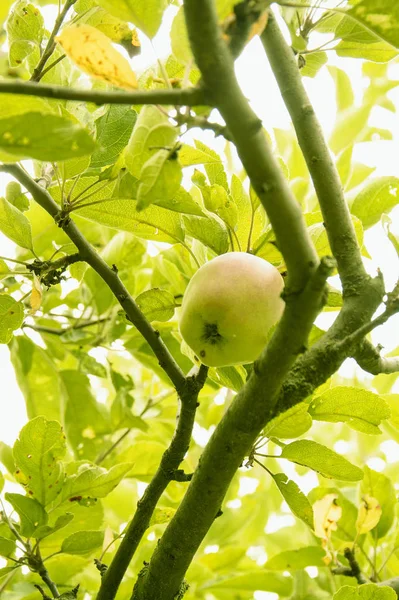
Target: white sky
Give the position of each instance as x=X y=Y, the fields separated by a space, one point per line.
x=259 y=86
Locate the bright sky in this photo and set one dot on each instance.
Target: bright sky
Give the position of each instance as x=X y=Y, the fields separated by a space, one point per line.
x=259 y=86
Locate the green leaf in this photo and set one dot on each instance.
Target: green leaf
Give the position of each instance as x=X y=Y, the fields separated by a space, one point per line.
x=156 y=304
x=349 y=126
x=367 y=591
x=252 y=581
x=210 y=231
x=152 y=132
x=313 y=63
x=322 y=460
x=296 y=500
x=113 y=133
x=251 y=218
x=86 y=420
x=116 y=29
x=153 y=223
x=233 y=377
x=379 y=16
x=35 y=371
x=121 y=412
x=290 y=424
x=181 y=202
x=7 y=546
x=360 y=409
x=189 y=156
x=31 y=513
x=94 y=482
x=6 y=570
x=292 y=560
x=145 y=14
x=179 y=39
x=378 y=197
x=386 y=222
x=15 y=225
x=344 y=165
x=1 y=481
x=25 y=30
x=213 y=166
x=7 y=458
x=89 y=365
x=343 y=88
x=379 y=52
x=15 y=196
x=11 y=317
x=82 y=542
x=381 y=487
x=144 y=458
x=37 y=454
x=62 y=521
x=160 y=179
x=44 y=137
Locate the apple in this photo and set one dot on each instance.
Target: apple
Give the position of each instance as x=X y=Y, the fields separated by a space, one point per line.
x=229 y=307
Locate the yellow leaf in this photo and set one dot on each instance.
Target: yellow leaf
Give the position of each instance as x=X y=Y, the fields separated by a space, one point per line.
x=36 y=296
x=93 y=52
x=369 y=514
x=326 y=514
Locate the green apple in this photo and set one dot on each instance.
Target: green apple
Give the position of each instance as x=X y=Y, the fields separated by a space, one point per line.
x=229 y=307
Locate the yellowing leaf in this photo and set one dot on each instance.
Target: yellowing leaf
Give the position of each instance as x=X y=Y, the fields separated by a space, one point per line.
x=369 y=514
x=36 y=296
x=93 y=52
x=326 y=514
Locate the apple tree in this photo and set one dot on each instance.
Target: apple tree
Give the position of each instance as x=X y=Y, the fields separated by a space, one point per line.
x=141 y=473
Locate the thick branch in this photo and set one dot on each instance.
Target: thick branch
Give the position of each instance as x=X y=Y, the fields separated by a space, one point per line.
x=337 y=219
x=89 y=255
x=176 y=97
x=233 y=438
x=166 y=471
x=216 y=64
x=369 y=359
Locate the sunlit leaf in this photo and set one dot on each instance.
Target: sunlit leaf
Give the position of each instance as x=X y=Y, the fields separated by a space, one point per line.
x=11 y=317
x=92 y=51
x=321 y=459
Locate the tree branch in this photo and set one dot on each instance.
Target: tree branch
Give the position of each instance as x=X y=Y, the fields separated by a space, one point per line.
x=166 y=471
x=215 y=62
x=369 y=359
x=192 y=121
x=232 y=440
x=176 y=97
x=49 y=49
x=89 y=255
x=337 y=219
x=53 y=331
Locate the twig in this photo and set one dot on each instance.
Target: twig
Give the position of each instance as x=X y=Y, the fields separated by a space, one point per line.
x=52 y=331
x=354 y=566
x=192 y=121
x=337 y=219
x=51 y=66
x=110 y=277
x=184 y=97
x=165 y=473
x=49 y=49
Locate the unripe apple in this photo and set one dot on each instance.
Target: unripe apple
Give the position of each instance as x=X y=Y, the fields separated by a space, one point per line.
x=229 y=307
